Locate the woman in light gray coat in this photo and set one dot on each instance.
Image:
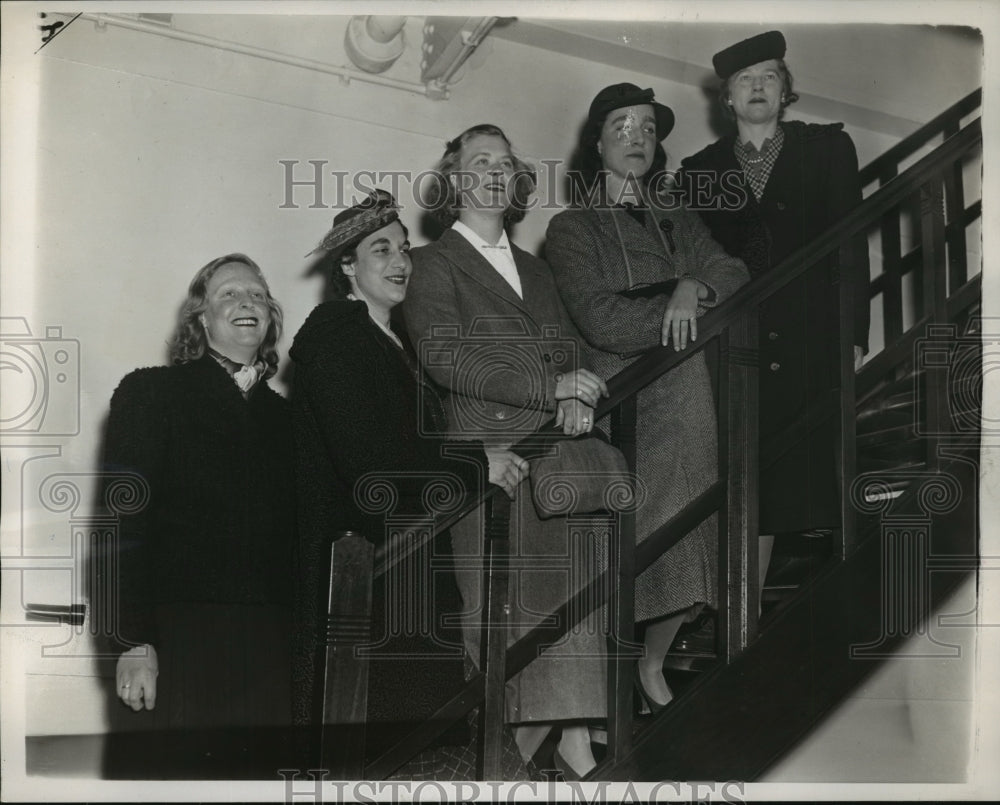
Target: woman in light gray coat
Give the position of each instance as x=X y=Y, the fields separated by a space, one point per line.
x=633 y=275
x=489 y=326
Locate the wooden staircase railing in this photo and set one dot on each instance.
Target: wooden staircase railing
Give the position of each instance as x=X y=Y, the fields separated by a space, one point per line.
x=733 y=496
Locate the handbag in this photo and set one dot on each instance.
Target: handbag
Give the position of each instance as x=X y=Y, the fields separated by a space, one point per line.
x=579 y=476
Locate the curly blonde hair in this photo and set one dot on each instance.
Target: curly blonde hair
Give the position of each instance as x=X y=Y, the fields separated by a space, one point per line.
x=189 y=341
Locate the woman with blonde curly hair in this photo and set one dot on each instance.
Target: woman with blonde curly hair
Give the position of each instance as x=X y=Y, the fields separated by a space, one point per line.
x=204 y=568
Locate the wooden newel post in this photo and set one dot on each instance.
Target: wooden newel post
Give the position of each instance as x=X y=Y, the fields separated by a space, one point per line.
x=493 y=662
x=622 y=652
x=345 y=678
x=739 y=454
x=935 y=285
x=847 y=409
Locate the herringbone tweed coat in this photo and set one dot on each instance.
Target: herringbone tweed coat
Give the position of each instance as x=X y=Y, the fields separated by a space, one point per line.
x=595 y=254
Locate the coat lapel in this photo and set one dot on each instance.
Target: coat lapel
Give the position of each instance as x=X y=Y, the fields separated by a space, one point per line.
x=729 y=162
x=634 y=238
x=785 y=167
x=477 y=268
x=536 y=291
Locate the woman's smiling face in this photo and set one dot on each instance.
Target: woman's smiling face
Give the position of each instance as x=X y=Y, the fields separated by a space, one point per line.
x=237 y=316
x=380 y=272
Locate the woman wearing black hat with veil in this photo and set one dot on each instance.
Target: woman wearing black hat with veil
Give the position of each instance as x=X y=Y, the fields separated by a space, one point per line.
x=634 y=272
x=794 y=180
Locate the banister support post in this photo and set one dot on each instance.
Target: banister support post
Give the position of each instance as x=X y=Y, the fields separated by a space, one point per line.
x=345 y=679
x=621 y=599
x=496 y=586
x=847 y=409
x=739 y=449
x=935 y=296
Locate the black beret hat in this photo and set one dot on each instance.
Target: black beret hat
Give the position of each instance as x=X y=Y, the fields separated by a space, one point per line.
x=618 y=96
x=762 y=47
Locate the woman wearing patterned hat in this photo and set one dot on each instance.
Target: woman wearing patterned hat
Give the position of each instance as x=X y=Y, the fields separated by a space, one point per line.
x=367 y=421
x=635 y=273
x=795 y=180
x=205 y=566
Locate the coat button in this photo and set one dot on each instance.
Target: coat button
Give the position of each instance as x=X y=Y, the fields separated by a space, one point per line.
x=780 y=205
x=775 y=366
x=773 y=336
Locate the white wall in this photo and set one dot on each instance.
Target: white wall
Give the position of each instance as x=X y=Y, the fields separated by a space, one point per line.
x=154 y=156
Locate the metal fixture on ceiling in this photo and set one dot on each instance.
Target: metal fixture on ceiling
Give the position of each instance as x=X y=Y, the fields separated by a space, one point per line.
x=374 y=42
x=448 y=44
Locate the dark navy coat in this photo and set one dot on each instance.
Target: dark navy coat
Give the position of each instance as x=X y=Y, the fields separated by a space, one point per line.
x=813 y=184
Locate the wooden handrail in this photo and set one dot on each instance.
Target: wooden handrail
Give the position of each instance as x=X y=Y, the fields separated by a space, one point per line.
x=655 y=362
x=952 y=116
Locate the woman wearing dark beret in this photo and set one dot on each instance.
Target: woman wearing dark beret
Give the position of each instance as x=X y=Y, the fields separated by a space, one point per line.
x=635 y=273
x=205 y=566
x=368 y=431
x=765 y=190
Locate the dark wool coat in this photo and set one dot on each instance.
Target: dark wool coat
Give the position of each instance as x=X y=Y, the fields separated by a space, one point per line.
x=596 y=254
x=358 y=407
x=497 y=357
x=813 y=184
x=205 y=567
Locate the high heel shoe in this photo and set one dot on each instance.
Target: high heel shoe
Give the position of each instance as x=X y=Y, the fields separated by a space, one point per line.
x=649 y=704
x=570 y=775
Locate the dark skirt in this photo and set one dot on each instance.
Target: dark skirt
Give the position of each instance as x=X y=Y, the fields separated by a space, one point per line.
x=223 y=698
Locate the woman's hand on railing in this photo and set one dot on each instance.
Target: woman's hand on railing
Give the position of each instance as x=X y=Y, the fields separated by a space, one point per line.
x=507 y=469
x=681 y=314
x=136 y=675
x=574 y=417
x=580 y=384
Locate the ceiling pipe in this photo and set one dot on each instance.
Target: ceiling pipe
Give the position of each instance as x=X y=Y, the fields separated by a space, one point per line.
x=374 y=43
x=346 y=74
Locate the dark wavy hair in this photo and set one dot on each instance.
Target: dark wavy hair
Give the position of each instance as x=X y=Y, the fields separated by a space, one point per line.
x=587 y=186
x=788 y=93
x=189 y=341
x=442 y=199
x=338 y=284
